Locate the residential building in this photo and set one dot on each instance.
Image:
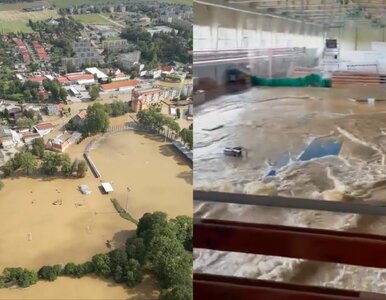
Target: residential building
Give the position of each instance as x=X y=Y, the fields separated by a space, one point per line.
x=79 y=119
x=115 y=46
x=43 y=128
x=13 y=112
x=127 y=60
x=97 y=73
x=28 y=137
x=81 y=78
x=54 y=109
x=159 y=29
x=85 y=53
x=62 y=142
x=142 y=98
x=6 y=137
x=124 y=85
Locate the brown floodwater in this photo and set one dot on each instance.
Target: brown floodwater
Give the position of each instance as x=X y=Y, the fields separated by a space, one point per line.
x=36 y=232
x=275 y=126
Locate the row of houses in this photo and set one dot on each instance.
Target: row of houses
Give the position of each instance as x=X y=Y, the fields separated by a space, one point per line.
x=40 y=51
x=9 y=138
x=22 y=49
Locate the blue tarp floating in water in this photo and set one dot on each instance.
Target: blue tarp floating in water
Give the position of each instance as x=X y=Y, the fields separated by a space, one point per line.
x=321 y=147
x=271 y=173
x=318 y=148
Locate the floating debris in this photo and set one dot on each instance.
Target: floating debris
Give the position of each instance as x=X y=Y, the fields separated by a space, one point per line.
x=214 y=128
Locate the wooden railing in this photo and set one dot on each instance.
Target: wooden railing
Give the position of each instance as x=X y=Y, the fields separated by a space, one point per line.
x=285 y=241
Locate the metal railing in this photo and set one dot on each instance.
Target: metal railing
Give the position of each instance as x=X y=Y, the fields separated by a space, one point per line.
x=204 y=57
x=285 y=241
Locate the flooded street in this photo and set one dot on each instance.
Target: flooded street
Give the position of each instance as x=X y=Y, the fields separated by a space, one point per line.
x=305 y=142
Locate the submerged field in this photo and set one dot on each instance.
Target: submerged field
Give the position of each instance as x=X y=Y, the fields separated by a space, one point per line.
x=81 y=289
x=35 y=232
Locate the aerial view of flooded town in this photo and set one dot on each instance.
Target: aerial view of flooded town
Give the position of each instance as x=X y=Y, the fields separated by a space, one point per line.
x=95 y=149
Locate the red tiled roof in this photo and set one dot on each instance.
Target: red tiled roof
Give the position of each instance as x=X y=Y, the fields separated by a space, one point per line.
x=166 y=69
x=120 y=75
x=147 y=91
x=36 y=44
x=75 y=77
x=26 y=58
x=119 y=84
x=44 y=126
x=28 y=135
x=62 y=79
x=18 y=42
x=82 y=114
x=36 y=79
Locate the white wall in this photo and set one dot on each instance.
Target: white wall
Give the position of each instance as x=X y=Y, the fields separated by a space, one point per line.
x=219 y=28
x=357 y=36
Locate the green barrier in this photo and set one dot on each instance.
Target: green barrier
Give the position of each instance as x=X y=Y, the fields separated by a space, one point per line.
x=310 y=80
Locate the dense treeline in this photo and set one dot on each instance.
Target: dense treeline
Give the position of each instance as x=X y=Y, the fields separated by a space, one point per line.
x=13 y=89
x=98 y=117
x=161 y=247
x=47 y=163
x=161 y=47
x=152 y=118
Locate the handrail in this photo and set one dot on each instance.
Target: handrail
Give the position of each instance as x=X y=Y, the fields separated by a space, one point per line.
x=293 y=242
x=215 y=287
x=377 y=208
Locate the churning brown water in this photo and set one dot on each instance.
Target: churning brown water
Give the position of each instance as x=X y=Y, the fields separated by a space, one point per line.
x=276 y=126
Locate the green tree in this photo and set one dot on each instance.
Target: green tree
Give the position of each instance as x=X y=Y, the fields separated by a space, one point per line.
x=183 y=227
x=187 y=137
x=28 y=163
x=27 y=278
x=63 y=94
x=101 y=264
x=134 y=274
x=151 y=223
x=66 y=166
x=97 y=119
x=1 y=185
x=38 y=147
x=48 y=273
x=69 y=269
x=50 y=164
x=25 y=122
x=81 y=169
x=170 y=262
x=135 y=248
x=94 y=92
x=180 y=292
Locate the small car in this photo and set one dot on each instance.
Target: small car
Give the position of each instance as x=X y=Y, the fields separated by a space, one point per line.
x=233 y=151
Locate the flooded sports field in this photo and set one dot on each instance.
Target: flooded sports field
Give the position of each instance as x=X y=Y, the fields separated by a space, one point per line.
x=47 y=221
x=315 y=143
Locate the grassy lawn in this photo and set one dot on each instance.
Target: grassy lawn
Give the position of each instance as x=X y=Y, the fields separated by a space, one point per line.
x=15 y=26
x=17 y=21
x=91 y=19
